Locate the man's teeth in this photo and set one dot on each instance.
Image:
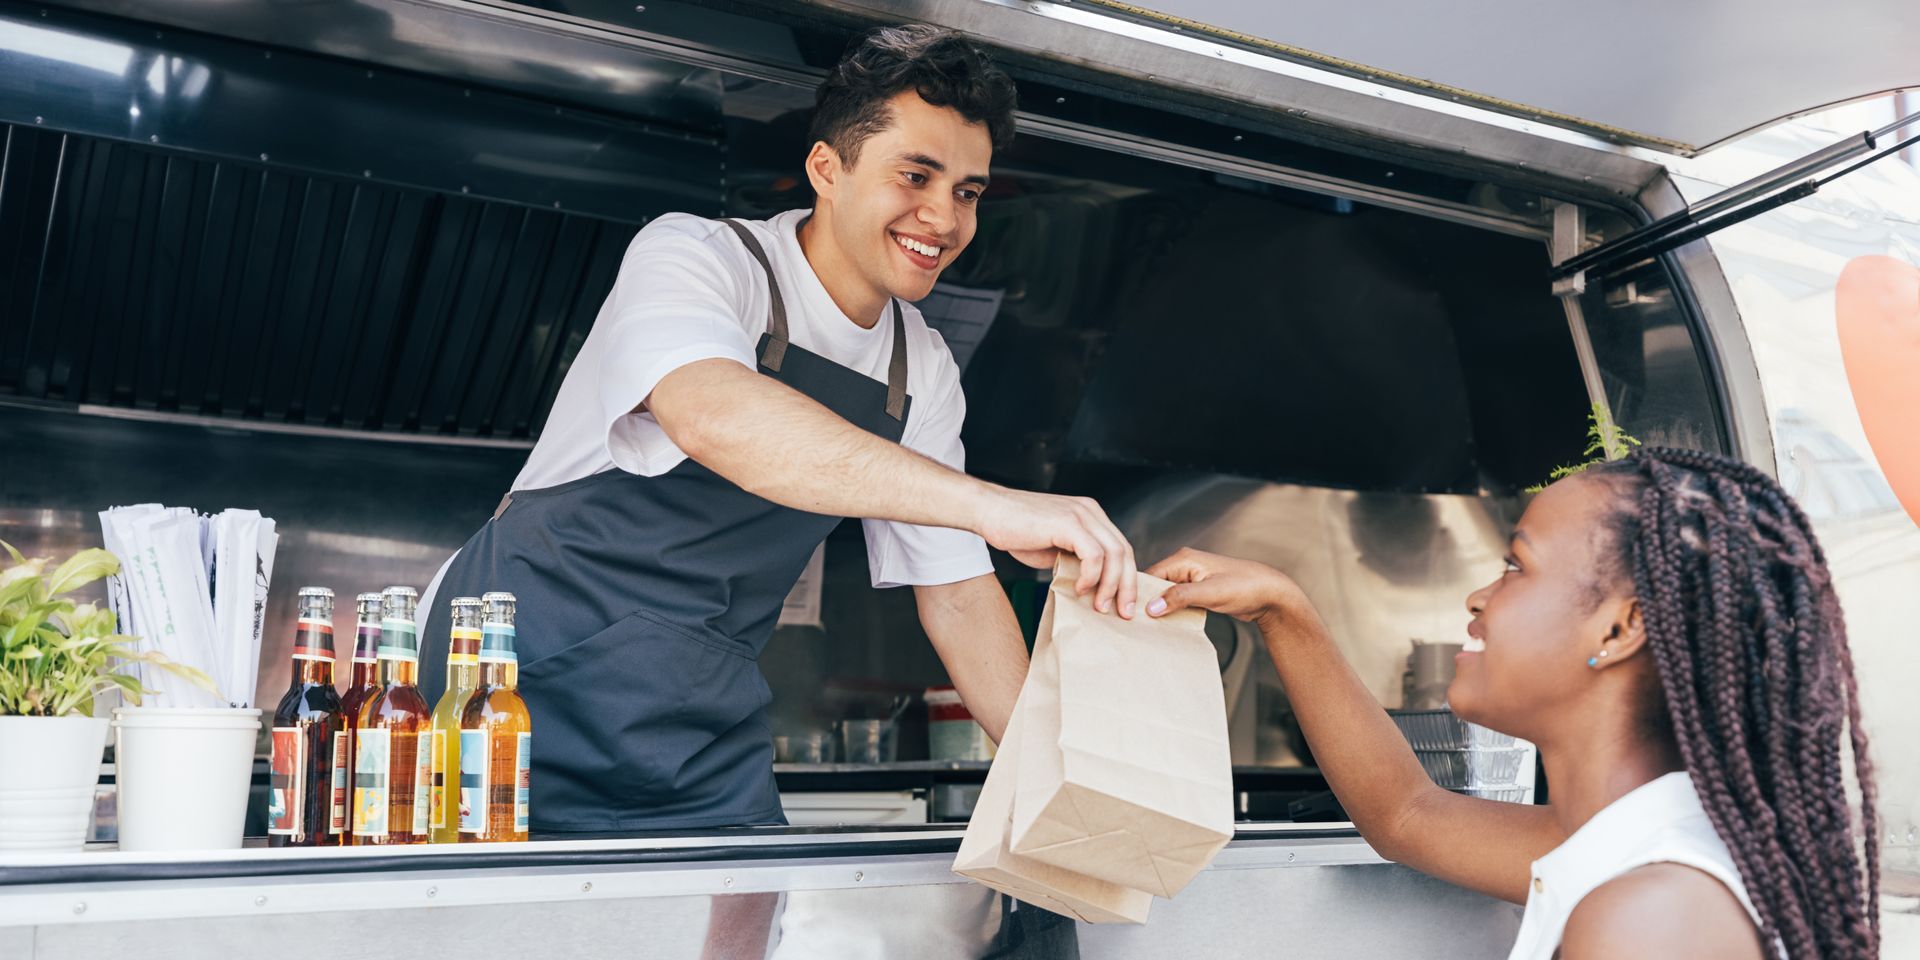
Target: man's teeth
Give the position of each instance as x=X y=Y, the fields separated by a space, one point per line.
x=1473 y=645
x=916 y=246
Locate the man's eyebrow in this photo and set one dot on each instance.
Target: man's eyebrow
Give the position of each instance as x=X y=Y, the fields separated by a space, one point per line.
x=921 y=159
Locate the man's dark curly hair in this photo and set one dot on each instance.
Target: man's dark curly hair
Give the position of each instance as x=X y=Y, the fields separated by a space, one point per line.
x=939 y=65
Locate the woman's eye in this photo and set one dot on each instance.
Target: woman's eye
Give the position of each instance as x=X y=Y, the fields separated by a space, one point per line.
x=1513 y=566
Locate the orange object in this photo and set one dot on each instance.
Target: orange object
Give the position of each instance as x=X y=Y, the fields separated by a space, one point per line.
x=1877 y=313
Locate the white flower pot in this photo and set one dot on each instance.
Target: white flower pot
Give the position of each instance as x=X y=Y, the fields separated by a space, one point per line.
x=48 y=768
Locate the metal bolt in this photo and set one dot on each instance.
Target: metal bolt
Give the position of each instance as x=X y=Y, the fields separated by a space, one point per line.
x=859 y=875
x=1059 y=99
x=465 y=190
x=39 y=119
x=1289 y=857
x=78 y=908
x=1237 y=138
x=556 y=204
x=640 y=8
x=1389 y=173
x=587 y=887
x=366 y=173
x=259 y=901
x=153 y=138
x=263 y=157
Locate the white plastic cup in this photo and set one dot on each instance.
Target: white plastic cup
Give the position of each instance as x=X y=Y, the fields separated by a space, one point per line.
x=183 y=774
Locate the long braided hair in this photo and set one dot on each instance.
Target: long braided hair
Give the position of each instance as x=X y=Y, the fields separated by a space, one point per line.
x=1757 y=683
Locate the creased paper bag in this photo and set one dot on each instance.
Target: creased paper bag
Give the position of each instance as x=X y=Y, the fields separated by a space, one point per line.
x=984 y=855
x=1129 y=778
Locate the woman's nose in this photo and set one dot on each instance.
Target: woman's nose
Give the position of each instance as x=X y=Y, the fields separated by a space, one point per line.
x=1477 y=600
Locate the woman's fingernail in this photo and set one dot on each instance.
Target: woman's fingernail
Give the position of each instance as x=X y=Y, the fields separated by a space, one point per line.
x=1157 y=607
x=1127 y=611
x=1106 y=606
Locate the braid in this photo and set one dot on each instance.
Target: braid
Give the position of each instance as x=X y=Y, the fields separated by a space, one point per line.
x=1757 y=683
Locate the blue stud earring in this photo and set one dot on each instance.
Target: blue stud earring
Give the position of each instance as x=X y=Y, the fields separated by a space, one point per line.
x=1593 y=661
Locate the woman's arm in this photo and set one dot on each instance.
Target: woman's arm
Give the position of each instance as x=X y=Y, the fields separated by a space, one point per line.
x=1483 y=845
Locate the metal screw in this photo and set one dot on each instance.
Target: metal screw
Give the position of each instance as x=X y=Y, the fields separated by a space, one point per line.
x=369 y=74
x=1289 y=857
x=78 y=908
x=432 y=892
x=466 y=93
x=640 y=8
x=259 y=901
x=1059 y=99
x=263 y=157
x=268 y=54
x=1389 y=173
x=587 y=887
x=1237 y=138
x=465 y=190
x=153 y=138
x=366 y=173
x=726 y=881
x=39 y=119
x=556 y=204
x=859 y=875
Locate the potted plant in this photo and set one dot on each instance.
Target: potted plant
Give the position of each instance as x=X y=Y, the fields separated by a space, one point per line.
x=56 y=657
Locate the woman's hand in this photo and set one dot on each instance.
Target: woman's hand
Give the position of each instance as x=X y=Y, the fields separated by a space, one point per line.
x=1242 y=589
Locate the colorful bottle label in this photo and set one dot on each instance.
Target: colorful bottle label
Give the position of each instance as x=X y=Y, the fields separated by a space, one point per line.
x=473 y=782
x=337 y=817
x=313 y=640
x=286 y=782
x=439 y=779
x=422 y=780
x=371 y=748
x=366 y=646
x=496 y=644
x=399 y=640
x=523 y=781
x=463 y=647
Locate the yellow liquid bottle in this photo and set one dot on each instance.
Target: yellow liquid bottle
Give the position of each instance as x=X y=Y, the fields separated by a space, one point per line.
x=393 y=736
x=463 y=674
x=496 y=736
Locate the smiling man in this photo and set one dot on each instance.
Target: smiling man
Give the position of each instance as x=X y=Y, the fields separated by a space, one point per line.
x=746 y=385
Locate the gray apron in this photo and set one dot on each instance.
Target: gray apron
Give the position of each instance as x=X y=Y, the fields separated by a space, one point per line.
x=644 y=603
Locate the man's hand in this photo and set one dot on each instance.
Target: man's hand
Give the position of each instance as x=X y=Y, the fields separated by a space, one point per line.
x=1036 y=527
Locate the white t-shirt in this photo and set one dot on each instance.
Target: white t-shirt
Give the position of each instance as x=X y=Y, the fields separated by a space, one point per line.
x=1661 y=821
x=688 y=290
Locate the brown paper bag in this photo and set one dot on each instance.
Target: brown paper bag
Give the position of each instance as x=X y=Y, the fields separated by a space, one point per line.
x=984 y=855
x=1125 y=773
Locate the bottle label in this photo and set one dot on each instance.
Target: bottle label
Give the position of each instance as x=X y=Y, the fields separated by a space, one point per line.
x=337 y=817
x=286 y=782
x=463 y=647
x=399 y=640
x=523 y=781
x=366 y=646
x=313 y=640
x=422 y=780
x=439 y=783
x=371 y=747
x=473 y=782
x=496 y=644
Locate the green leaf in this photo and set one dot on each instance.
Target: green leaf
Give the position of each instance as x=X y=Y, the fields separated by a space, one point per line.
x=15 y=554
x=81 y=569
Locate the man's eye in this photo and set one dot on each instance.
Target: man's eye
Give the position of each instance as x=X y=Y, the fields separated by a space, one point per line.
x=1513 y=566
x=915 y=178
x=969 y=196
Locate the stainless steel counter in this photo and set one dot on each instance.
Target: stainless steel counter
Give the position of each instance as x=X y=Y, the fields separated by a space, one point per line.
x=1277 y=889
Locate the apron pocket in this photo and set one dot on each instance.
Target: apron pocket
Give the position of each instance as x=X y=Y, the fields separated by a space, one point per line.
x=642 y=717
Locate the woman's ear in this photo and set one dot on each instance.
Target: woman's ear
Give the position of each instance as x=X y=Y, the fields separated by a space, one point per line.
x=1626 y=635
x=823 y=169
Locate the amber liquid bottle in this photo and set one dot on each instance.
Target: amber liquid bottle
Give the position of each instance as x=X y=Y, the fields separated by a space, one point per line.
x=364 y=683
x=305 y=806
x=496 y=736
x=391 y=741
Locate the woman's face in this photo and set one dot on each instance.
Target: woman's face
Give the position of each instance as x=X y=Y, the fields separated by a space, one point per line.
x=1535 y=625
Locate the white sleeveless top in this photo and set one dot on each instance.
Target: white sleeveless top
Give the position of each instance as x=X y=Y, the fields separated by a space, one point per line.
x=1661 y=821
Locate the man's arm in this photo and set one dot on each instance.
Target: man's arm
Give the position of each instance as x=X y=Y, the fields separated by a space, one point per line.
x=777 y=443
x=977 y=637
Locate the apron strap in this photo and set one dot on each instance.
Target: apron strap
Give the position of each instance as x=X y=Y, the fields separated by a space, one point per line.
x=897 y=368
x=776 y=352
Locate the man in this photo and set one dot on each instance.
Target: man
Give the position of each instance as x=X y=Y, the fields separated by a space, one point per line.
x=745 y=386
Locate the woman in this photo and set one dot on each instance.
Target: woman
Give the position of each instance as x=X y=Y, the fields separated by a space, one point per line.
x=1666 y=632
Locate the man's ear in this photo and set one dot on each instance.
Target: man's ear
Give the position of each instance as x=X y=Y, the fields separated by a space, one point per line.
x=824 y=169
x=1626 y=633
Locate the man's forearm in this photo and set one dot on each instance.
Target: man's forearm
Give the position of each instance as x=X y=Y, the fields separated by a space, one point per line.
x=974 y=631
x=777 y=443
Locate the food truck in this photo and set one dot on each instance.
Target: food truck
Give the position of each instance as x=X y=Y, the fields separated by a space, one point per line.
x=331 y=261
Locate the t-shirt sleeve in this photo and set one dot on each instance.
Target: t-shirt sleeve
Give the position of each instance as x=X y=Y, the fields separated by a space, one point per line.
x=680 y=298
x=907 y=554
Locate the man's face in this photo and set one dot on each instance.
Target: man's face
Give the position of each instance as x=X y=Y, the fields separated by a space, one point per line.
x=908 y=205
